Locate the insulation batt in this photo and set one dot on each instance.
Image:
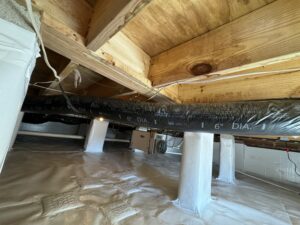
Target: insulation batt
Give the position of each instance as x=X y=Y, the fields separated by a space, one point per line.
x=276 y=117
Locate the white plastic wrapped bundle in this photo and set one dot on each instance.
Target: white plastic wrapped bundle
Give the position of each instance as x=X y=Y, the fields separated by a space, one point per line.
x=18 y=52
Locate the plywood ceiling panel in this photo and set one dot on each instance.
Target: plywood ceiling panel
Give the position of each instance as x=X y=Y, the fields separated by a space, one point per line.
x=166 y=24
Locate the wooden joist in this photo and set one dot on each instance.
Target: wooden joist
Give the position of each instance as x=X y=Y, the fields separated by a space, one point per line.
x=268 y=34
x=60 y=36
x=169 y=23
x=257 y=88
x=124 y=54
x=59 y=39
x=74 y=14
x=109 y=17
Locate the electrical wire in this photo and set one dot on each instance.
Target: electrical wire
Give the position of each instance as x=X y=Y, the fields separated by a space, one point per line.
x=204 y=81
x=155 y=94
x=219 y=78
x=47 y=88
x=35 y=27
x=273 y=72
x=29 y=8
x=267 y=182
x=295 y=165
x=39 y=36
x=69 y=103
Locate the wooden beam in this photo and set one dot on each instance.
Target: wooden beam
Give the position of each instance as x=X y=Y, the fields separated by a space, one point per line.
x=256 y=88
x=172 y=22
x=121 y=52
x=109 y=17
x=74 y=14
x=66 y=42
x=105 y=88
x=283 y=138
x=291 y=145
x=68 y=70
x=267 y=34
x=287 y=64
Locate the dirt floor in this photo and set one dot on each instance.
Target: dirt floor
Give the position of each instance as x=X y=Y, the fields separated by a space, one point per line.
x=67 y=186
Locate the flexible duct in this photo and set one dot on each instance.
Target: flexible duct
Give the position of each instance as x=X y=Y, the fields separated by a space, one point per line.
x=276 y=117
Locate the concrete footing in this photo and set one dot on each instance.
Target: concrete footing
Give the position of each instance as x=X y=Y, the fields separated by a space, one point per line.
x=96 y=136
x=196 y=172
x=227 y=159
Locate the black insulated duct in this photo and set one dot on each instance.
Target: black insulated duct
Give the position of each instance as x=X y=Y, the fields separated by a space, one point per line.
x=276 y=117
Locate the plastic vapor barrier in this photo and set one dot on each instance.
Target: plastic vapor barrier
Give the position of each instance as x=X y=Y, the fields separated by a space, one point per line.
x=18 y=52
x=227 y=159
x=277 y=117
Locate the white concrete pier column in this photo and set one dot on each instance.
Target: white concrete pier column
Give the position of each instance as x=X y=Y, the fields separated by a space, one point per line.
x=196 y=171
x=227 y=159
x=96 y=135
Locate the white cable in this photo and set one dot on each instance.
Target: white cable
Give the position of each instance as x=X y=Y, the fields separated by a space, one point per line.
x=47 y=88
x=29 y=8
x=241 y=75
x=155 y=94
x=265 y=181
x=209 y=80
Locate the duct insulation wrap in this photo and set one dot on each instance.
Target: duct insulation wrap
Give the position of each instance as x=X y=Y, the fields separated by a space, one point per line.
x=277 y=117
x=18 y=52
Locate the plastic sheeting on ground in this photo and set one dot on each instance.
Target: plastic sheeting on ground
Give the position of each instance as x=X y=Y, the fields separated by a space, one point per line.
x=124 y=188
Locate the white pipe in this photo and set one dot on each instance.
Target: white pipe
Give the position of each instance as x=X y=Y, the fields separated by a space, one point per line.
x=45 y=134
x=79 y=137
x=117 y=140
